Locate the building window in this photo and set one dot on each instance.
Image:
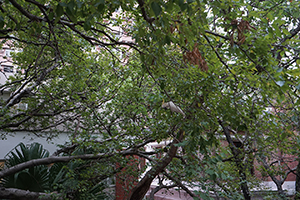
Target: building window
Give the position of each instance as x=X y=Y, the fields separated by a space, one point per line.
x=8 y=52
x=8 y=68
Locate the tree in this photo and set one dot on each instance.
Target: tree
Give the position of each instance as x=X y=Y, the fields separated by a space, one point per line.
x=222 y=62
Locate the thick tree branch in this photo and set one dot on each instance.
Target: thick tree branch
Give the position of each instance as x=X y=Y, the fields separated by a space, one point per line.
x=145 y=16
x=277 y=182
x=50 y=160
x=142 y=187
x=25 y=12
x=12 y=193
x=54 y=158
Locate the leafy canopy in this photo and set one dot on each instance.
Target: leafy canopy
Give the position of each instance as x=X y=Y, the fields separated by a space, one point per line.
x=100 y=70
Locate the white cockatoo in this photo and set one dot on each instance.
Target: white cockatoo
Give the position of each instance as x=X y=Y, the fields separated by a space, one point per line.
x=170 y=105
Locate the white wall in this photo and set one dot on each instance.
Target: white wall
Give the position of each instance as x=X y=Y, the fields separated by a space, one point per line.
x=11 y=141
x=289 y=186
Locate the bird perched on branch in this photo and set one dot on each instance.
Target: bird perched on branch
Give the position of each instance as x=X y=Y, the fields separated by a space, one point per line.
x=170 y=105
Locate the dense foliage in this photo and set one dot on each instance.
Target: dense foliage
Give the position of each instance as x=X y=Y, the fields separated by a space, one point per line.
x=100 y=70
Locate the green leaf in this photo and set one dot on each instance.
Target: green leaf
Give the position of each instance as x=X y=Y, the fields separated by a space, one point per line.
x=100 y=2
x=156 y=8
x=270 y=16
x=87 y=24
x=204 y=196
x=167 y=40
x=283 y=135
x=100 y=8
x=184 y=143
x=71 y=15
x=59 y=10
x=51 y=16
x=71 y=5
x=1 y=22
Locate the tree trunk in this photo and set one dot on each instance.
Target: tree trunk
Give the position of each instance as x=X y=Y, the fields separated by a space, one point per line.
x=238 y=159
x=13 y=193
x=244 y=186
x=297 y=197
x=277 y=182
x=143 y=186
x=280 y=191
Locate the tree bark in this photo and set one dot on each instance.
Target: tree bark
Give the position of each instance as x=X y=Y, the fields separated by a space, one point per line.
x=238 y=162
x=277 y=182
x=143 y=186
x=297 y=197
x=56 y=159
x=12 y=193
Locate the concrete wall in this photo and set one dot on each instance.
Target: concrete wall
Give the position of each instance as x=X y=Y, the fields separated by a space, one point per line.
x=13 y=140
x=173 y=194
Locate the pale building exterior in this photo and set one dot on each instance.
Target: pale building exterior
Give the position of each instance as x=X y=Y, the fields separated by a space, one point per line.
x=10 y=140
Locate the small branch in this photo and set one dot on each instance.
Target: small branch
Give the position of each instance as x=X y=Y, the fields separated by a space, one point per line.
x=156 y=189
x=218 y=35
x=277 y=182
x=238 y=162
x=219 y=57
x=71 y=147
x=37 y=4
x=144 y=143
x=65 y=150
x=178 y=183
x=288 y=172
x=292 y=32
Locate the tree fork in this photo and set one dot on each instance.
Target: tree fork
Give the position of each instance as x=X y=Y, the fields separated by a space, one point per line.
x=143 y=186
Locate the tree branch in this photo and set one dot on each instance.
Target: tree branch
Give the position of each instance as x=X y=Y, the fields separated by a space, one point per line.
x=145 y=16
x=12 y=193
x=292 y=32
x=238 y=162
x=50 y=160
x=142 y=187
x=25 y=12
x=178 y=183
x=277 y=182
